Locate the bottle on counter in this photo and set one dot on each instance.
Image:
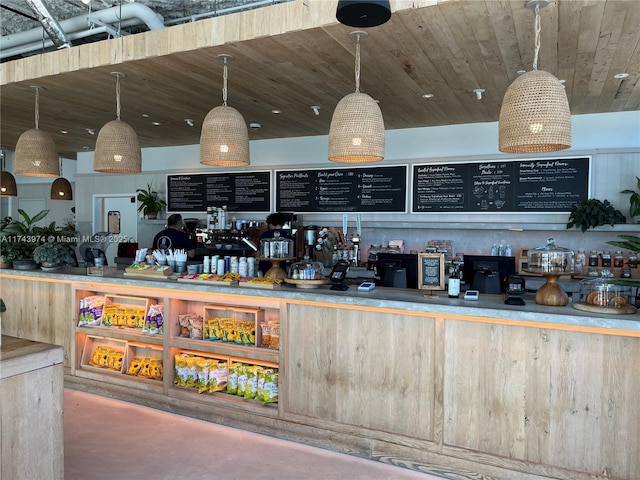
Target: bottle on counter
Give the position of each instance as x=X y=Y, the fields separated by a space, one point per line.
x=454 y=282
x=507 y=250
x=494 y=250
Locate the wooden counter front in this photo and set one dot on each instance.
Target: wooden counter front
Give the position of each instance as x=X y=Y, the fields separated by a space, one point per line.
x=31 y=396
x=437 y=385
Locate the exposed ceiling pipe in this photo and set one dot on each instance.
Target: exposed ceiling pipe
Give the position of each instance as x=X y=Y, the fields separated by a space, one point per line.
x=225 y=11
x=49 y=23
x=78 y=27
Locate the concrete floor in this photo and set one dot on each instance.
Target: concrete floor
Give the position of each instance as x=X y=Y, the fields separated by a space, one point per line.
x=106 y=439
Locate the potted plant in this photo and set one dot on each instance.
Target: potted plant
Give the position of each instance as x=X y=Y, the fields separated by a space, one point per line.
x=51 y=255
x=592 y=213
x=150 y=203
x=20 y=238
x=634 y=200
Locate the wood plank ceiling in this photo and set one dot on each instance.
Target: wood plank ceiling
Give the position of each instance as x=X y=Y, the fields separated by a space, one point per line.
x=447 y=49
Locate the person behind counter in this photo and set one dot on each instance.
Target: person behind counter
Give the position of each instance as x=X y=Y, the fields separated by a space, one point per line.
x=175 y=236
x=275 y=223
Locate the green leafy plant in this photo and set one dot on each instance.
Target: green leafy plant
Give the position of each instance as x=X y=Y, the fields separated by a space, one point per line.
x=150 y=202
x=634 y=200
x=19 y=238
x=631 y=242
x=592 y=213
x=51 y=253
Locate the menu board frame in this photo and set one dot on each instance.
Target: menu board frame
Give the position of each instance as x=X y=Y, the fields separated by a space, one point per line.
x=314 y=178
x=529 y=186
x=439 y=276
x=201 y=186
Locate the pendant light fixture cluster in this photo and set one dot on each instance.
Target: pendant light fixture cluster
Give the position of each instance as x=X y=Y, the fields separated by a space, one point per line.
x=36 y=154
x=224 y=138
x=117 y=145
x=535 y=115
x=356 y=134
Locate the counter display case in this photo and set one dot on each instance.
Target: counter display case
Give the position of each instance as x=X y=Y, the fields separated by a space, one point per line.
x=434 y=384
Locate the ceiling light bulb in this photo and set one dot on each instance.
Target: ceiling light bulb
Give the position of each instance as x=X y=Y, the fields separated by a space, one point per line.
x=620 y=75
x=427 y=95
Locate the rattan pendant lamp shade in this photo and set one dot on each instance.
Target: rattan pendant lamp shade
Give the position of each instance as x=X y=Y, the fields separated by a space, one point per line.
x=61 y=188
x=224 y=138
x=8 y=187
x=535 y=115
x=356 y=134
x=117 y=146
x=36 y=154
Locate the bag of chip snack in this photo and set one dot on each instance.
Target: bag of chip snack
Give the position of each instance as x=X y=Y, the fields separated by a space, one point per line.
x=218 y=376
x=251 y=390
x=270 y=389
x=154 y=320
x=90 y=314
x=243 y=378
x=181 y=369
x=192 y=372
x=232 y=381
x=202 y=365
x=156 y=369
x=134 y=366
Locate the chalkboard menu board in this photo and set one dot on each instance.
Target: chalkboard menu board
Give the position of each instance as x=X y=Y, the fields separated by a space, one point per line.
x=544 y=185
x=369 y=189
x=244 y=192
x=431 y=271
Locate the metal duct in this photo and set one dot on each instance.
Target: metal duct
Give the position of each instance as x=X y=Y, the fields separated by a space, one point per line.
x=78 y=27
x=49 y=23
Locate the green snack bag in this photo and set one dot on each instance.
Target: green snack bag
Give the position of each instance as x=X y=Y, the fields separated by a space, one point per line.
x=232 y=382
x=251 y=390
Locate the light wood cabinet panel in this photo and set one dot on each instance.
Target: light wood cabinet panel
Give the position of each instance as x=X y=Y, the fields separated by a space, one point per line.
x=543 y=396
x=38 y=311
x=362 y=368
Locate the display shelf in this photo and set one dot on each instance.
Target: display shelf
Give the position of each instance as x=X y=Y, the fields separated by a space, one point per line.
x=206 y=347
x=122 y=334
x=221 y=397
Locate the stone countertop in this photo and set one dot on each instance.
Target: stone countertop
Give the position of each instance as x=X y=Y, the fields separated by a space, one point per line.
x=19 y=356
x=487 y=307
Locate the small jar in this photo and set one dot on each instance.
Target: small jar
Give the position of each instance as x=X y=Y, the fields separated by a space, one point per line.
x=606 y=259
x=593 y=258
x=618 y=259
x=581 y=260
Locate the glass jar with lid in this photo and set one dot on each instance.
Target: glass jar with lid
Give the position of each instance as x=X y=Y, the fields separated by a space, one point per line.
x=605 y=294
x=550 y=259
x=306 y=269
x=276 y=247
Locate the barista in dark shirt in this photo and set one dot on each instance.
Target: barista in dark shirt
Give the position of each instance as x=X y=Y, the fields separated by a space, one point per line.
x=175 y=236
x=275 y=222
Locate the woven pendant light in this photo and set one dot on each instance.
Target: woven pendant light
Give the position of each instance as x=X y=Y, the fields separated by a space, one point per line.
x=36 y=154
x=8 y=187
x=224 y=138
x=363 y=13
x=535 y=115
x=356 y=134
x=61 y=188
x=117 y=145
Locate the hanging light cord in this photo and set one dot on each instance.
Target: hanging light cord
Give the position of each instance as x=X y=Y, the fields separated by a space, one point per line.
x=357 y=69
x=118 y=97
x=37 y=109
x=537 y=38
x=225 y=76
